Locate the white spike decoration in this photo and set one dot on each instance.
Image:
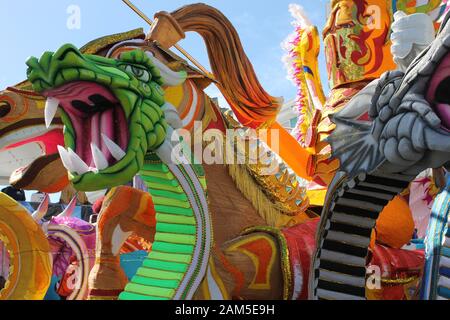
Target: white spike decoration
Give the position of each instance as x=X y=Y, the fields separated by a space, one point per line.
x=41 y=211
x=115 y=150
x=78 y=165
x=99 y=158
x=51 y=106
x=68 y=212
x=65 y=158
x=95 y=195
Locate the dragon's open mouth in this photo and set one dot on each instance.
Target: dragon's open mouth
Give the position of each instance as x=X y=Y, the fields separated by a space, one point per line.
x=96 y=129
x=439 y=92
x=112 y=110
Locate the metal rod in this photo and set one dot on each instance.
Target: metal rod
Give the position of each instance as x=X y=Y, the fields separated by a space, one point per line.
x=138 y=12
x=178 y=47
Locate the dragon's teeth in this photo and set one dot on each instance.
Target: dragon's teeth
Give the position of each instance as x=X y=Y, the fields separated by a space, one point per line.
x=51 y=106
x=65 y=158
x=99 y=158
x=115 y=150
x=78 y=165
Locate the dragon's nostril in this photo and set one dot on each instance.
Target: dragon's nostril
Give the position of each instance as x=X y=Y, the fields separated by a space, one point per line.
x=5 y=109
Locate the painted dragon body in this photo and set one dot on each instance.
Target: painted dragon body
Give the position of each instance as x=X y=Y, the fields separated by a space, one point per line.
x=120 y=101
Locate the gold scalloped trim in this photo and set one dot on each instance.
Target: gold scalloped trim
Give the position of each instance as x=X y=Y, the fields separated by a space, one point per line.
x=99 y=44
x=282 y=192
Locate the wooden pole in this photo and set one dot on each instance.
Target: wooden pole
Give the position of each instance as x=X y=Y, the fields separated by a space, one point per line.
x=178 y=47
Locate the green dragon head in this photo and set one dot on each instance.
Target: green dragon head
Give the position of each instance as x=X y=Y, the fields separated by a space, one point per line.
x=111 y=110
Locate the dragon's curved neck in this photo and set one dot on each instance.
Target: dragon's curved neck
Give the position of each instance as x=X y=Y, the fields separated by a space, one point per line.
x=183 y=239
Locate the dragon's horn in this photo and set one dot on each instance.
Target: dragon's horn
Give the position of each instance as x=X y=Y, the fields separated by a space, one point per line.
x=41 y=211
x=68 y=212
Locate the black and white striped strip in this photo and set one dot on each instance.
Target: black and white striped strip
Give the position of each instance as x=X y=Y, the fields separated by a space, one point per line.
x=340 y=266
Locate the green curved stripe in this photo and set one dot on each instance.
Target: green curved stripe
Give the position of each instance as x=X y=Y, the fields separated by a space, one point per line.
x=155 y=174
x=168 y=194
x=159 y=274
x=168 y=284
x=129 y=296
x=157 y=167
x=174 y=210
x=173 y=248
x=169 y=218
x=161 y=201
x=175 y=238
x=171 y=257
x=156 y=291
x=161 y=181
x=170 y=228
x=157 y=186
x=163 y=271
x=163 y=265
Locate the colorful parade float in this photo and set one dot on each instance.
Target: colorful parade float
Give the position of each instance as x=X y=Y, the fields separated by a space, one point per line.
x=353 y=205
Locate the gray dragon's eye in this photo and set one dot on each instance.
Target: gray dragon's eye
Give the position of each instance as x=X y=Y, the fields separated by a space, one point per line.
x=138 y=72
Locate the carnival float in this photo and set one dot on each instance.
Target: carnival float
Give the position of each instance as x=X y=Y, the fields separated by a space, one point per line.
x=353 y=205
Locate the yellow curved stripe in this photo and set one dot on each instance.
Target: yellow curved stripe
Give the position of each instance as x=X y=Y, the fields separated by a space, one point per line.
x=174 y=95
x=29 y=251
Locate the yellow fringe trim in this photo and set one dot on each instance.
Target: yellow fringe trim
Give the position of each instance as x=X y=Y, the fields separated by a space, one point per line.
x=251 y=190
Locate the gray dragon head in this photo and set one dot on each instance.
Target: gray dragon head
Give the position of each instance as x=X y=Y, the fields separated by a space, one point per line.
x=401 y=122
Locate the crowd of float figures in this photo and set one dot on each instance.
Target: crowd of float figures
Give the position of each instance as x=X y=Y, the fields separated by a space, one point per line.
x=355 y=205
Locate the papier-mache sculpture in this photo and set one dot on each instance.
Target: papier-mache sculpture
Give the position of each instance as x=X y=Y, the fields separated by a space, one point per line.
x=218 y=230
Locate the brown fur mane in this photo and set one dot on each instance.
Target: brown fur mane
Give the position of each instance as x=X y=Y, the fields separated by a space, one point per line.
x=230 y=65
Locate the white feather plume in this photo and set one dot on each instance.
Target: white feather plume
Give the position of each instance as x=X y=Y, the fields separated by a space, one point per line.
x=299 y=14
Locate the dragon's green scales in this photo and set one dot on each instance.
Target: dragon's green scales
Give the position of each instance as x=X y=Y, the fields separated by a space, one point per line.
x=124 y=97
x=133 y=80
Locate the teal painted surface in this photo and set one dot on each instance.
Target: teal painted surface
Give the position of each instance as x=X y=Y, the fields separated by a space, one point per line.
x=51 y=293
x=131 y=262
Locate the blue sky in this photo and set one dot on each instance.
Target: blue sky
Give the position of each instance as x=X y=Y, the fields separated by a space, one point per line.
x=32 y=27
x=28 y=28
